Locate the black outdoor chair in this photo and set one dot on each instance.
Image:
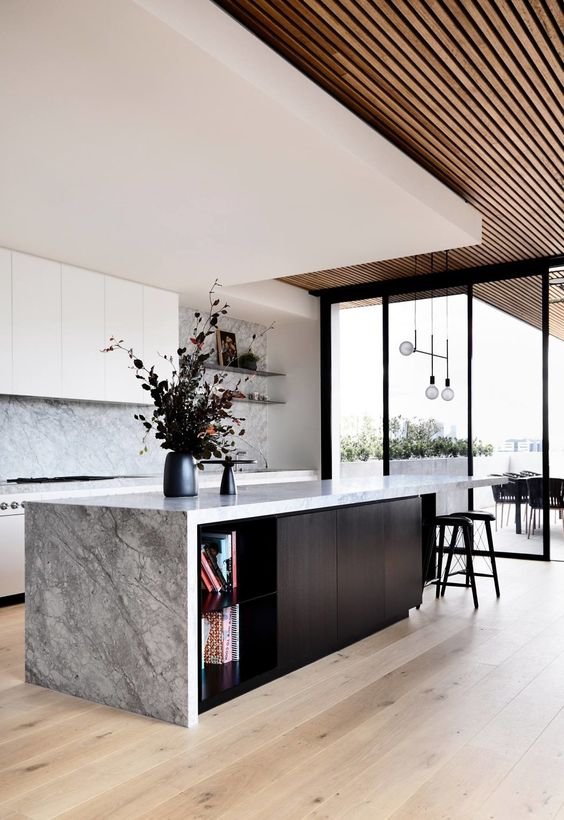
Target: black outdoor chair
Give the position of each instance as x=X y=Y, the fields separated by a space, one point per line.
x=536 y=502
x=506 y=495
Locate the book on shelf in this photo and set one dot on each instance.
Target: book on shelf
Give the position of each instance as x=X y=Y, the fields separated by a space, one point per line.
x=208 y=575
x=220 y=549
x=220 y=636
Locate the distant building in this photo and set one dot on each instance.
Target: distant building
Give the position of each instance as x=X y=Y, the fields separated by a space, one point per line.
x=521 y=445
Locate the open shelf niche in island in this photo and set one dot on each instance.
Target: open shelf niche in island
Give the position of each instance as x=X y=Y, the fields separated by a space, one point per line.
x=238 y=625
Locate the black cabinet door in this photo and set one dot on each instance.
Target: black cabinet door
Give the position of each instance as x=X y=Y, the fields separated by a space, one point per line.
x=360 y=562
x=402 y=545
x=307 y=588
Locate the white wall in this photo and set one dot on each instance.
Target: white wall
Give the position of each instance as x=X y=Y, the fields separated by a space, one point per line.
x=293 y=428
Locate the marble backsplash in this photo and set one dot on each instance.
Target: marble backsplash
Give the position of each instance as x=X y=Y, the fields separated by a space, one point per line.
x=49 y=437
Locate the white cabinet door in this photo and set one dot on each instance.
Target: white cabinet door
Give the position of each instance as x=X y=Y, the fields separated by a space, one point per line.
x=83 y=333
x=124 y=320
x=36 y=331
x=160 y=328
x=5 y=321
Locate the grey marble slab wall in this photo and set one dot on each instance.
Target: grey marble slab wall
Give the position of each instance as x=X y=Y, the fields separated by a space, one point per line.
x=106 y=616
x=59 y=437
x=54 y=437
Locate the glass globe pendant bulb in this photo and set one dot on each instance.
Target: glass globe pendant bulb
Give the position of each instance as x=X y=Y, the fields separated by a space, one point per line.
x=447 y=393
x=406 y=348
x=432 y=391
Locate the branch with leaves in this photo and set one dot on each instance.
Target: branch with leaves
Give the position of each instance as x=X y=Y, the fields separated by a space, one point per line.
x=191 y=415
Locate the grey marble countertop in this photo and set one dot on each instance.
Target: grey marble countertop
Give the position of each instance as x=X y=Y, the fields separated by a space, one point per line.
x=276 y=499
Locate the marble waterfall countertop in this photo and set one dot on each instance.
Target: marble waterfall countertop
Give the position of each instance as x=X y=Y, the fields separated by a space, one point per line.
x=278 y=498
x=112 y=583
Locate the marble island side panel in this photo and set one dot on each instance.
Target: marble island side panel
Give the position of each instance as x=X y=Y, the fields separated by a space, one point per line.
x=106 y=606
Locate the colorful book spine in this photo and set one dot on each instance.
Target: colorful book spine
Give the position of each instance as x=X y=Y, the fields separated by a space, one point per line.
x=221 y=643
x=207 y=571
x=235 y=633
x=234 y=559
x=221 y=549
x=212 y=554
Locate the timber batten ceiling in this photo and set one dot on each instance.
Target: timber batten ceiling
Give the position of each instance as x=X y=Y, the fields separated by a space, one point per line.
x=520 y=298
x=471 y=90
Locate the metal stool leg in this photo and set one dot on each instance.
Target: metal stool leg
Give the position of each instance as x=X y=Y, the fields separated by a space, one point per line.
x=440 y=554
x=449 y=559
x=489 y=538
x=470 y=564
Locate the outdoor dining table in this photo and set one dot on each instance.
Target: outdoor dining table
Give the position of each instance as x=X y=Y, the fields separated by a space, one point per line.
x=520 y=490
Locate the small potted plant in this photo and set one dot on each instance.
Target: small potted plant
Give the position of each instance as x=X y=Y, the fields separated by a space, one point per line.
x=192 y=417
x=249 y=360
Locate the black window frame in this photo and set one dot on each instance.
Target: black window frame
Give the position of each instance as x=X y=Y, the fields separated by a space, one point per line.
x=465 y=278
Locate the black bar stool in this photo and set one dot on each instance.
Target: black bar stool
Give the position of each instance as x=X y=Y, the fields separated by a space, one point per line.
x=459 y=524
x=486 y=519
x=463 y=524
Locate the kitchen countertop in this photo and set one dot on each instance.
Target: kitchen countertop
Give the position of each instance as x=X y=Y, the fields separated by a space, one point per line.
x=288 y=497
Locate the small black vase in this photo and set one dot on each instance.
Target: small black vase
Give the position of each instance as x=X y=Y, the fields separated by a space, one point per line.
x=180 y=479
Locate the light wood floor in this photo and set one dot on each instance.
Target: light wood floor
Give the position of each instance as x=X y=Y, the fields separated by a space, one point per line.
x=450 y=714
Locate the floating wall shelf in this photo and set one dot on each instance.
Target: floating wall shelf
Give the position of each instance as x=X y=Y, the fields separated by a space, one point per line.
x=243 y=370
x=259 y=401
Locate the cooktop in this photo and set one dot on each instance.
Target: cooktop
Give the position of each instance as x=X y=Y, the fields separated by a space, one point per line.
x=47 y=480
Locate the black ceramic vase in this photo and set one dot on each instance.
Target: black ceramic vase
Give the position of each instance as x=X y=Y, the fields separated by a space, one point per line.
x=180 y=479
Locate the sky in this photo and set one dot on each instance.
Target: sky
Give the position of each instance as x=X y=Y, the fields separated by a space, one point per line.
x=507 y=369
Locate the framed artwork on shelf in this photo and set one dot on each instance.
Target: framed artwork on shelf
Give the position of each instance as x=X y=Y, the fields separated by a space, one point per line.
x=226 y=348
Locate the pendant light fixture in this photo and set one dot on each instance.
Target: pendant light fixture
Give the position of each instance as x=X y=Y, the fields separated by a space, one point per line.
x=432 y=390
x=406 y=348
x=447 y=393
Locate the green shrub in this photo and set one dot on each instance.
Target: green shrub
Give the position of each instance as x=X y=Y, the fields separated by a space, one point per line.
x=409 y=438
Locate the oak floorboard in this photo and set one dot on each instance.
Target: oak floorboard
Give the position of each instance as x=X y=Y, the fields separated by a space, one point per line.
x=451 y=713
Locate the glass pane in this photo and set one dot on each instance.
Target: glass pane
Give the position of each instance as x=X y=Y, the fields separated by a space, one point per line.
x=507 y=408
x=429 y=436
x=360 y=389
x=556 y=411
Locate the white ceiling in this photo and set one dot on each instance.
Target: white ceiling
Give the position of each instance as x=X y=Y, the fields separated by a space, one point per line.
x=175 y=150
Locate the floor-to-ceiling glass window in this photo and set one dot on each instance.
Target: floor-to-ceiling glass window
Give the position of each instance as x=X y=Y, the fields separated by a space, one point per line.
x=428 y=398
x=359 y=391
x=507 y=407
x=428 y=418
x=556 y=412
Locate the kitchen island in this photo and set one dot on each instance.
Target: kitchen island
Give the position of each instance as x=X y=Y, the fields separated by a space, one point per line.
x=115 y=612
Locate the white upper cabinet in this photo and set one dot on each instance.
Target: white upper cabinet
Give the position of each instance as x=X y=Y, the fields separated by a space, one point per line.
x=83 y=334
x=123 y=320
x=5 y=321
x=55 y=319
x=160 y=328
x=36 y=325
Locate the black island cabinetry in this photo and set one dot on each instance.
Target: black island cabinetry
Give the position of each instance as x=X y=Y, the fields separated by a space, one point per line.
x=309 y=584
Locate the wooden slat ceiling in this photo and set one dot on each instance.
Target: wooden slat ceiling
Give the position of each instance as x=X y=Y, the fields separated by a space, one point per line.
x=470 y=89
x=521 y=298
